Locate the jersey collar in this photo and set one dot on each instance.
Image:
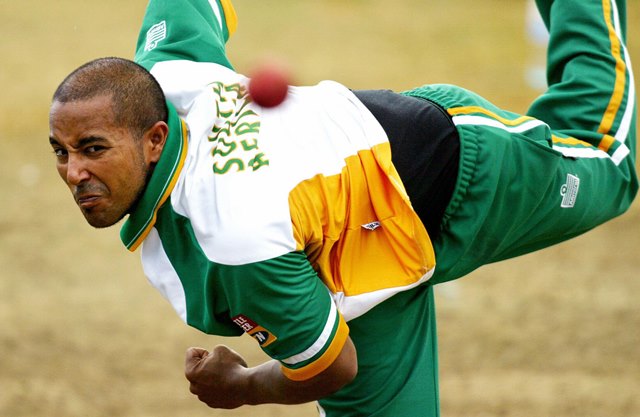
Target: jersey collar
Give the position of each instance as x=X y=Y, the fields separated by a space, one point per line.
x=164 y=177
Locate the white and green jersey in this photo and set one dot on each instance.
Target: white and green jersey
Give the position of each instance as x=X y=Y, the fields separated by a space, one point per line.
x=284 y=223
x=287 y=223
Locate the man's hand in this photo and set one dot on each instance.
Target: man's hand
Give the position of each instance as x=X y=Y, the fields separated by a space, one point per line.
x=221 y=378
x=218 y=377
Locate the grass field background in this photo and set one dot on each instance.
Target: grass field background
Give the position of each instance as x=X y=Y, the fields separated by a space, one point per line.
x=555 y=333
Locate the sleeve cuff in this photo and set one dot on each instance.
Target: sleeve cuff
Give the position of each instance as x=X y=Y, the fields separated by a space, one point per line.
x=323 y=360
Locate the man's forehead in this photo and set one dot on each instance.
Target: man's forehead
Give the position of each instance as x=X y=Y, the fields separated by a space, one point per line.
x=101 y=104
x=93 y=112
x=74 y=121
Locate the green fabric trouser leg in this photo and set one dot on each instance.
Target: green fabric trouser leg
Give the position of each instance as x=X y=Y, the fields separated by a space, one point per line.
x=528 y=182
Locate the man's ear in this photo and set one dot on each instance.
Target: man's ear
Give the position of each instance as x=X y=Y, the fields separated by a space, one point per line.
x=154 y=139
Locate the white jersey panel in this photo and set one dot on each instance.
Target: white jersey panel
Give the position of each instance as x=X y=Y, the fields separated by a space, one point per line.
x=244 y=160
x=161 y=274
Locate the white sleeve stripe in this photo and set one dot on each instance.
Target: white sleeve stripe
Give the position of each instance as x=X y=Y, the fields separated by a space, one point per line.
x=319 y=343
x=216 y=11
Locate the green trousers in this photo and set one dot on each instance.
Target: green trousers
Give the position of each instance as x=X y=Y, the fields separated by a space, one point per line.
x=528 y=182
x=525 y=182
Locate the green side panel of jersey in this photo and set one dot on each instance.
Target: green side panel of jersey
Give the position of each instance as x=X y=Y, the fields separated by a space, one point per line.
x=181 y=30
x=282 y=295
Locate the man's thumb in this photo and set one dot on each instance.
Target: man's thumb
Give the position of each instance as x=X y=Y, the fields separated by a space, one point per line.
x=194 y=356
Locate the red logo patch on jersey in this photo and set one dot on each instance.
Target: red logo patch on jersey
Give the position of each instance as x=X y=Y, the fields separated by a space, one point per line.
x=263 y=336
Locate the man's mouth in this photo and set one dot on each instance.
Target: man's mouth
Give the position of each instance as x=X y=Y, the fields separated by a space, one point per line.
x=87 y=201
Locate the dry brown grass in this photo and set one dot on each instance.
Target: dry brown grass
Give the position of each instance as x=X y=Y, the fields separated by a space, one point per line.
x=550 y=334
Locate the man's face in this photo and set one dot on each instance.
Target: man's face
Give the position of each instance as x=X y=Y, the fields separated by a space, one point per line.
x=103 y=164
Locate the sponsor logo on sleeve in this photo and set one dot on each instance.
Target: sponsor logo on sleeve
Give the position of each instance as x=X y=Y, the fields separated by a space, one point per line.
x=263 y=336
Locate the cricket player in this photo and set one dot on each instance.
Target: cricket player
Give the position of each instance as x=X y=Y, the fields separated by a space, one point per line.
x=319 y=227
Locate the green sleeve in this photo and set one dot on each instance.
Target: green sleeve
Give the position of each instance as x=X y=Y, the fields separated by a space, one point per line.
x=194 y=30
x=283 y=304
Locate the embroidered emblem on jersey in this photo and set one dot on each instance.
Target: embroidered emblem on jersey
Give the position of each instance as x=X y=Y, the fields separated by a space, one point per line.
x=155 y=34
x=569 y=191
x=371 y=226
x=263 y=336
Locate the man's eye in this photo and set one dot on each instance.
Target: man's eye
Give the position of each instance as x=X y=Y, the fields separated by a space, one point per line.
x=60 y=153
x=93 y=149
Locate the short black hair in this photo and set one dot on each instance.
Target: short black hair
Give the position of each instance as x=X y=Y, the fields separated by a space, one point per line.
x=137 y=99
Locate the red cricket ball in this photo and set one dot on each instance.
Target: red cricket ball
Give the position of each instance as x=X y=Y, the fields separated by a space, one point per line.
x=268 y=86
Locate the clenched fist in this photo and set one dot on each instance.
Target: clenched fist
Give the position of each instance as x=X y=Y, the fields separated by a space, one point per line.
x=218 y=378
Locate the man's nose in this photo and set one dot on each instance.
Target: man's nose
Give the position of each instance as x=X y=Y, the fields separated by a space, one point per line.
x=77 y=171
